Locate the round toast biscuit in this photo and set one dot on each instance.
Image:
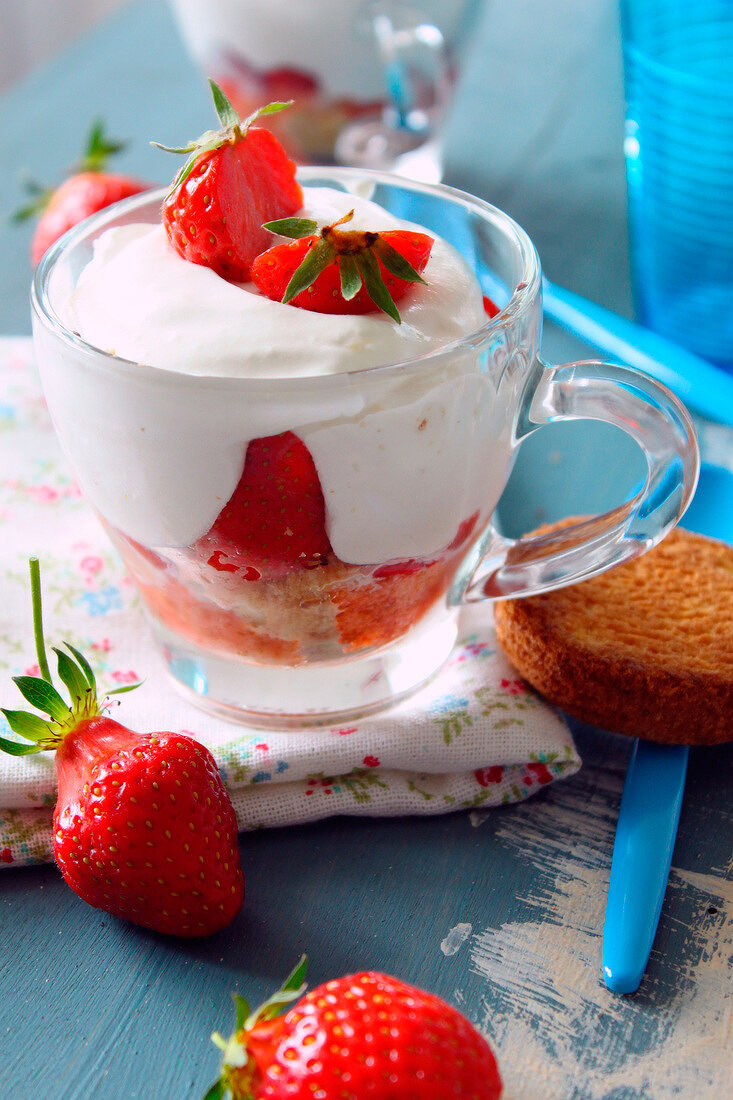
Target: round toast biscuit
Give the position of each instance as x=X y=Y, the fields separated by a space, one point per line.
x=644 y=649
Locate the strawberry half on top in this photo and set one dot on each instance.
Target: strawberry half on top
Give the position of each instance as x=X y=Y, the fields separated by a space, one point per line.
x=339 y=270
x=234 y=179
x=143 y=826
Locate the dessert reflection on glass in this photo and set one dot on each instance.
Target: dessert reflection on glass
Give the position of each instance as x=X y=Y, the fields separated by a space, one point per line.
x=371 y=80
x=294 y=411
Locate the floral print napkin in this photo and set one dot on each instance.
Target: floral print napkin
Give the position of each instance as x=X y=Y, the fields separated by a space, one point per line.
x=475 y=737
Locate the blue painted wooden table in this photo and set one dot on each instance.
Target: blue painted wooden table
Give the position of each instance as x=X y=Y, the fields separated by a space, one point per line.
x=500 y=914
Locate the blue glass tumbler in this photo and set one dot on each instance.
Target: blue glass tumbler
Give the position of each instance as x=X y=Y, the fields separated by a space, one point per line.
x=678 y=62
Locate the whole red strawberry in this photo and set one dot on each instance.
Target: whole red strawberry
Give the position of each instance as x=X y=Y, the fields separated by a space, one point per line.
x=143 y=826
x=363 y=1035
x=235 y=179
x=90 y=188
x=340 y=270
x=274 y=521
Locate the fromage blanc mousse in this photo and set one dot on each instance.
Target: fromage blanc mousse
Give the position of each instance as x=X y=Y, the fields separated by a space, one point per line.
x=275 y=495
x=139 y=300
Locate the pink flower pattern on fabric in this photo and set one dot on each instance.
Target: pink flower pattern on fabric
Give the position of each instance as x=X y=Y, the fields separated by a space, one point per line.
x=474 y=738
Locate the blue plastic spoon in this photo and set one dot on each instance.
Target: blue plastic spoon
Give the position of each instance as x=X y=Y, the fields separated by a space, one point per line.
x=642 y=855
x=652 y=798
x=655 y=779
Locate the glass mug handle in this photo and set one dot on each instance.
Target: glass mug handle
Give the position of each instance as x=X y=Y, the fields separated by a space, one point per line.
x=660 y=425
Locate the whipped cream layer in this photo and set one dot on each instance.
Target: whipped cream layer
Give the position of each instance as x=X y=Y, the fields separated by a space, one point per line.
x=403 y=456
x=139 y=300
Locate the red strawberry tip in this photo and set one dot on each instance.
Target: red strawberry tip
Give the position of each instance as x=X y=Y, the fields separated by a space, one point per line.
x=233 y=129
x=76 y=674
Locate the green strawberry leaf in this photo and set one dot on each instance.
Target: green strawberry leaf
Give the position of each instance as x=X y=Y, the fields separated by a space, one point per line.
x=228 y=117
x=375 y=286
x=39 y=202
x=188 y=167
x=42 y=696
x=291 y=990
x=350 y=278
x=83 y=665
x=218 y=1091
x=99 y=148
x=242 y=1010
x=14 y=748
x=126 y=687
x=188 y=148
x=72 y=676
x=292 y=227
x=316 y=260
x=26 y=724
x=274 y=1005
x=296 y=977
x=395 y=262
x=268 y=109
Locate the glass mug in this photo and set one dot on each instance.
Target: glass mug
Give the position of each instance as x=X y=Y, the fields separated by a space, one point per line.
x=412 y=458
x=371 y=80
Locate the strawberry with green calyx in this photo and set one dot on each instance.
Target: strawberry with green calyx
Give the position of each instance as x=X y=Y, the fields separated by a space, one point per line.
x=143 y=826
x=88 y=189
x=340 y=270
x=366 y=1034
x=233 y=180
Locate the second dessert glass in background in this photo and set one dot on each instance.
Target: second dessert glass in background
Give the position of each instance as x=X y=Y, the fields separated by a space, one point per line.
x=372 y=80
x=411 y=457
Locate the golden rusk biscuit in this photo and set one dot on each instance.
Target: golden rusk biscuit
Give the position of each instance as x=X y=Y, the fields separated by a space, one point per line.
x=644 y=649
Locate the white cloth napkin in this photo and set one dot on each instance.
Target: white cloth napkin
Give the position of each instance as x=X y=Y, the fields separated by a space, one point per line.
x=475 y=737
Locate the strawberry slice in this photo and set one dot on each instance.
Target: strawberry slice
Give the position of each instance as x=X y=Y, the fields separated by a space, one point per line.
x=288 y=83
x=234 y=179
x=490 y=307
x=341 y=271
x=274 y=521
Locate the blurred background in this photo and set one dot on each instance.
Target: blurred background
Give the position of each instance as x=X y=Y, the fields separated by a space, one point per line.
x=32 y=30
x=536 y=125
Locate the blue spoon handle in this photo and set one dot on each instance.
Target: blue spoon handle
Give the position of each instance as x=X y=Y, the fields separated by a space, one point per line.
x=704 y=388
x=642 y=855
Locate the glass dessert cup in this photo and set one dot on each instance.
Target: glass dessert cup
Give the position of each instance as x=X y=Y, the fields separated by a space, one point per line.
x=409 y=461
